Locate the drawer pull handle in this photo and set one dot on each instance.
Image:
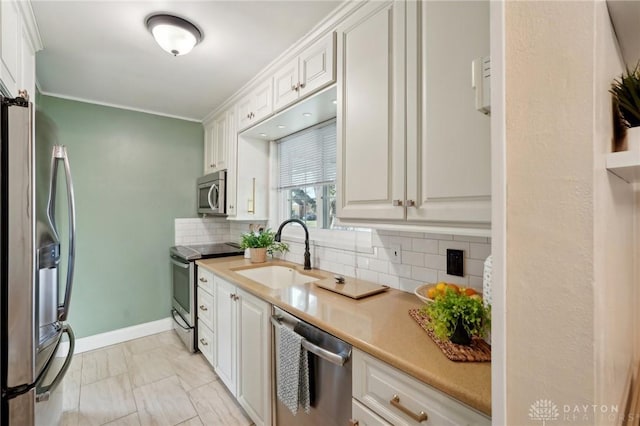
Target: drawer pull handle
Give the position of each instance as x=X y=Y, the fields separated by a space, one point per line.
x=203 y=308
x=421 y=417
x=203 y=280
x=204 y=342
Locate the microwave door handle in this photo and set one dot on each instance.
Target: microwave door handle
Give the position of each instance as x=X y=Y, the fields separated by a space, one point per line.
x=60 y=153
x=213 y=205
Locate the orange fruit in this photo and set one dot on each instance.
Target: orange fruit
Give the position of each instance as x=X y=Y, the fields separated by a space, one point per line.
x=469 y=291
x=432 y=292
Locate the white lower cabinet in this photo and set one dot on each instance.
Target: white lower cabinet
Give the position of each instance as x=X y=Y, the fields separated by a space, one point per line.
x=362 y=416
x=400 y=399
x=243 y=348
x=204 y=309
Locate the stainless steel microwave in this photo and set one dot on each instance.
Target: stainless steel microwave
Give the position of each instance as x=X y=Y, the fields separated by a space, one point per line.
x=212 y=191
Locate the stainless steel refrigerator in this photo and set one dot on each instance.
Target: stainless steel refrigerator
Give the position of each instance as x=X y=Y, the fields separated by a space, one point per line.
x=34 y=301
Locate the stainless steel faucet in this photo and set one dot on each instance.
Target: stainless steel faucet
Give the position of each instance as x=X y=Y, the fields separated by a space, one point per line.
x=307 y=254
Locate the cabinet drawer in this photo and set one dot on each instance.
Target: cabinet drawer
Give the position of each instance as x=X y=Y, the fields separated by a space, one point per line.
x=205 y=279
x=206 y=342
x=205 y=307
x=362 y=416
x=402 y=400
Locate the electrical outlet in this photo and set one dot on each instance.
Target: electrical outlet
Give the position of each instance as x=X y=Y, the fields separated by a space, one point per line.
x=395 y=253
x=455 y=262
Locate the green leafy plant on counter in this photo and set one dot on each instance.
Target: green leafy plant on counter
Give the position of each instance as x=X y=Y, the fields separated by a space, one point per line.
x=446 y=310
x=263 y=239
x=626 y=91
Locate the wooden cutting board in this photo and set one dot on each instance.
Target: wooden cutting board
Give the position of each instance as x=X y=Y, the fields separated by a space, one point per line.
x=352 y=287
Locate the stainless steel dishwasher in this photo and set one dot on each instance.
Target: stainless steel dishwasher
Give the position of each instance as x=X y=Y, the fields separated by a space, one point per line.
x=329 y=375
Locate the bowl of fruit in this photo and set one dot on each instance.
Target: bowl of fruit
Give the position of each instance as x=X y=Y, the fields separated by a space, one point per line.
x=429 y=292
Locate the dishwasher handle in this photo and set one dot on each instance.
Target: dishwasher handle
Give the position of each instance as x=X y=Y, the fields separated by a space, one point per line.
x=337 y=359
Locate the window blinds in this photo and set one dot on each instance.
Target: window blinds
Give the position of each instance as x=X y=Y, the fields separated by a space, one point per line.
x=308 y=157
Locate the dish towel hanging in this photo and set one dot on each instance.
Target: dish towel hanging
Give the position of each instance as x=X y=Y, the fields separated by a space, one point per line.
x=293 y=374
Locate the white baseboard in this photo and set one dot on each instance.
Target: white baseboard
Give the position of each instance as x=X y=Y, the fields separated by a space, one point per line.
x=113 y=337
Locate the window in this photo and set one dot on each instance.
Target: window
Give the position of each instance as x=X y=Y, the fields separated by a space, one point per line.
x=307 y=188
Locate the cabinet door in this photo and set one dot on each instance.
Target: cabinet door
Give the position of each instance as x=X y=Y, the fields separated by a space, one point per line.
x=285 y=85
x=232 y=152
x=371 y=113
x=448 y=163
x=209 y=150
x=219 y=142
x=28 y=66
x=362 y=416
x=243 y=112
x=225 y=333
x=317 y=65
x=11 y=46
x=254 y=330
x=252 y=180
x=262 y=104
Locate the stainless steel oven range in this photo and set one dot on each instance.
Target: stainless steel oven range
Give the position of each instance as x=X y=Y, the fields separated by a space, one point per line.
x=183 y=270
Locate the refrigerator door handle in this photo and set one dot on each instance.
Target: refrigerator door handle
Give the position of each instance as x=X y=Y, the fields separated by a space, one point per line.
x=43 y=393
x=60 y=153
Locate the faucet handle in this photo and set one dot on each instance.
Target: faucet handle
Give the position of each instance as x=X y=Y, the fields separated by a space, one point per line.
x=339 y=279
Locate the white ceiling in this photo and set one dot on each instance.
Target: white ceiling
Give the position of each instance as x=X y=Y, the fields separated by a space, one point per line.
x=100 y=51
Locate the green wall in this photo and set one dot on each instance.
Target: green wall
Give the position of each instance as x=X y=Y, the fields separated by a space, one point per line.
x=133 y=174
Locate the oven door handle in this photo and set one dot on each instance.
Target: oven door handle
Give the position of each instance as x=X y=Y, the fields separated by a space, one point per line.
x=173 y=314
x=180 y=264
x=337 y=359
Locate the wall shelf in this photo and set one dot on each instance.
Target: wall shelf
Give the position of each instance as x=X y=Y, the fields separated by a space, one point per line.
x=625 y=164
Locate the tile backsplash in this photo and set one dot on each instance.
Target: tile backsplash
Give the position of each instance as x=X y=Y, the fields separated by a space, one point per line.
x=201 y=230
x=402 y=260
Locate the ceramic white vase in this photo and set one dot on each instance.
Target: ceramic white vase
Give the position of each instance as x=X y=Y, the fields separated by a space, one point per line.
x=633 y=139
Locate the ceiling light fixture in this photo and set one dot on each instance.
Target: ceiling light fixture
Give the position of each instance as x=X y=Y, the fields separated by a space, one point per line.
x=175 y=35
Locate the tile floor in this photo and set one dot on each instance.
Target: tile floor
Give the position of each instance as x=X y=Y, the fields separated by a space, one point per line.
x=148 y=381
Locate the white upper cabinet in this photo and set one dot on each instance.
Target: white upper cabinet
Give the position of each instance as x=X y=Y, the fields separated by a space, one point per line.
x=215 y=143
x=11 y=46
x=449 y=154
x=255 y=106
x=312 y=70
x=371 y=112
x=232 y=153
x=412 y=149
x=19 y=42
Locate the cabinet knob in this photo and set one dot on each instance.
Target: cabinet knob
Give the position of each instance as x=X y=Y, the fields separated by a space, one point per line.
x=397 y=203
x=204 y=342
x=203 y=308
x=203 y=280
x=420 y=417
x=410 y=203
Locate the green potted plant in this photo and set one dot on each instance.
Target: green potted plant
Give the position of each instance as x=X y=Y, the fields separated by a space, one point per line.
x=260 y=243
x=626 y=103
x=458 y=317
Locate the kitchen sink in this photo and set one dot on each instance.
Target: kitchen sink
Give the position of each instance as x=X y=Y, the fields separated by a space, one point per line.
x=276 y=277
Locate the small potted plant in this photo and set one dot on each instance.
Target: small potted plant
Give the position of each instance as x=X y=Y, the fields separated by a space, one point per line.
x=626 y=104
x=458 y=317
x=260 y=243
